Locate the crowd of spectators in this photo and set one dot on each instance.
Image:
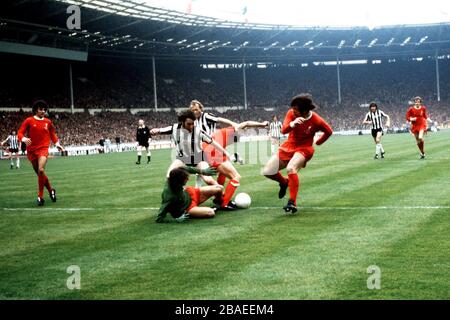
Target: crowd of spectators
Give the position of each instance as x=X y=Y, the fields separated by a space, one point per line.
x=130 y=85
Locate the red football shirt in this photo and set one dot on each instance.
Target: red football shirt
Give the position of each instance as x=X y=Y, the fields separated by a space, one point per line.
x=302 y=135
x=40 y=131
x=420 y=115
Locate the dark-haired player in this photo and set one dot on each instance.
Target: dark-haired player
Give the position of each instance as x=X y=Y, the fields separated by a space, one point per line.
x=36 y=132
x=302 y=124
x=375 y=118
x=417 y=116
x=183 y=202
x=13 y=148
x=188 y=139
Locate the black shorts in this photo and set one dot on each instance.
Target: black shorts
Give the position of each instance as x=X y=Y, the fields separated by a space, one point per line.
x=13 y=150
x=375 y=131
x=145 y=144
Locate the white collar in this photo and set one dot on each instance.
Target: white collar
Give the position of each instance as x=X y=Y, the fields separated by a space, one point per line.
x=310 y=116
x=40 y=119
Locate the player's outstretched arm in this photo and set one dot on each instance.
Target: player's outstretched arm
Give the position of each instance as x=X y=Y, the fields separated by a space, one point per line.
x=228 y=122
x=388 y=121
x=165 y=130
x=253 y=124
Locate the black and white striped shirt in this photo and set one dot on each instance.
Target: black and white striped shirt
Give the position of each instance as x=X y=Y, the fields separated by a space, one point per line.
x=188 y=144
x=13 y=142
x=275 y=129
x=376 y=118
x=207 y=122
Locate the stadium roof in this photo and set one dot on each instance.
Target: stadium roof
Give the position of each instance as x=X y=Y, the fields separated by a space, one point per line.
x=133 y=28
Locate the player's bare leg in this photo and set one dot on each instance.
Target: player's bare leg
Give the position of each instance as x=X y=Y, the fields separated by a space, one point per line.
x=39 y=168
x=17 y=160
x=272 y=171
x=379 y=151
x=298 y=161
x=174 y=165
x=421 y=143
x=205 y=194
x=206 y=179
x=229 y=171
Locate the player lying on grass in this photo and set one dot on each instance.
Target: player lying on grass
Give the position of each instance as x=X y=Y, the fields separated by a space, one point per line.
x=217 y=159
x=36 y=132
x=188 y=139
x=183 y=202
x=302 y=124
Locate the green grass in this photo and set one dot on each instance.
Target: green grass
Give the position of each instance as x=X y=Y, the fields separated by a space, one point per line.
x=354 y=212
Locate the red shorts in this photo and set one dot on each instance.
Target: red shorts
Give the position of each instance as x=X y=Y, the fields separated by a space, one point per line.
x=286 y=152
x=224 y=137
x=36 y=154
x=194 y=193
x=416 y=129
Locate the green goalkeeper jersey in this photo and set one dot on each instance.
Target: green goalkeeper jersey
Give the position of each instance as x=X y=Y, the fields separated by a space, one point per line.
x=173 y=203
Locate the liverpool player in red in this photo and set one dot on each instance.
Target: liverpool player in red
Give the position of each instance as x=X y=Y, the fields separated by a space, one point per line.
x=217 y=159
x=36 y=132
x=417 y=116
x=301 y=123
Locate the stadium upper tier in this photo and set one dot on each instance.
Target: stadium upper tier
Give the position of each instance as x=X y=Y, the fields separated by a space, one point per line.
x=131 y=29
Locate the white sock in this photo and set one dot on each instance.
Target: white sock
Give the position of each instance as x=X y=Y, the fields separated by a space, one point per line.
x=18 y=162
x=381 y=146
x=377 y=149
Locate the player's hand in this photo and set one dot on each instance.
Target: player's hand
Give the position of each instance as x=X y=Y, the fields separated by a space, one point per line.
x=297 y=121
x=183 y=218
x=266 y=124
x=154 y=131
x=27 y=141
x=412 y=119
x=209 y=171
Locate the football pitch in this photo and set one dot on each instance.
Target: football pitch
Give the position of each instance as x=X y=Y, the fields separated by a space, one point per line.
x=354 y=213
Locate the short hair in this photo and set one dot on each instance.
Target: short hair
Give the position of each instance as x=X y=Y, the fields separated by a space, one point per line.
x=303 y=102
x=39 y=104
x=177 y=179
x=197 y=103
x=373 y=104
x=417 y=98
x=187 y=114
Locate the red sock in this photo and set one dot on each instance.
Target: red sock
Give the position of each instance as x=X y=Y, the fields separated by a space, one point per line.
x=421 y=145
x=41 y=182
x=279 y=177
x=47 y=184
x=221 y=179
x=229 y=191
x=294 y=183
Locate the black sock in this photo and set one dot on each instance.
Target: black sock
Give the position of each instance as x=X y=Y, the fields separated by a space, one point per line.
x=148 y=158
x=139 y=159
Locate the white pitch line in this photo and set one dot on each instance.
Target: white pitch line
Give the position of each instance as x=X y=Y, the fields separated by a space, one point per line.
x=252 y=208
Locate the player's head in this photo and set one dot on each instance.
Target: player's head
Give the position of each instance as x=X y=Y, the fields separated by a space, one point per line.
x=40 y=107
x=187 y=120
x=196 y=107
x=141 y=122
x=373 y=106
x=177 y=179
x=274 y=118
x=13 y=132
x=302 y=104
x=417 y=101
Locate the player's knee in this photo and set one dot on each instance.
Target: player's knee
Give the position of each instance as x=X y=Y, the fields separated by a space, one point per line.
x=41 y=171
x=210 y=213
x=236 y=177
x=291 y=169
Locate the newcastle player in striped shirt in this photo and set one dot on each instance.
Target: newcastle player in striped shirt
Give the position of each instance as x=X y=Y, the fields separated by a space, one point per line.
x=188 y=139
x=13 y=148
x=275 y=133
x=375 y=117
x=206 y=121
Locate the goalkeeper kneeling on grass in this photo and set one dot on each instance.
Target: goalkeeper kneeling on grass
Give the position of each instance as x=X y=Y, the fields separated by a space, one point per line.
x=183 y=202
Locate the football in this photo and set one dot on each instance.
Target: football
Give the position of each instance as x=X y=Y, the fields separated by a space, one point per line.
x=243 y=200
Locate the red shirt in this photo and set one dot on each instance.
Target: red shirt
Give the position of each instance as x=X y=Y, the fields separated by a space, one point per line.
x=40 y=131
x=420 y=115
x=302 y=135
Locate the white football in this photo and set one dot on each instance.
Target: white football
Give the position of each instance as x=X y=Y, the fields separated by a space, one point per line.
x=243 y=200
